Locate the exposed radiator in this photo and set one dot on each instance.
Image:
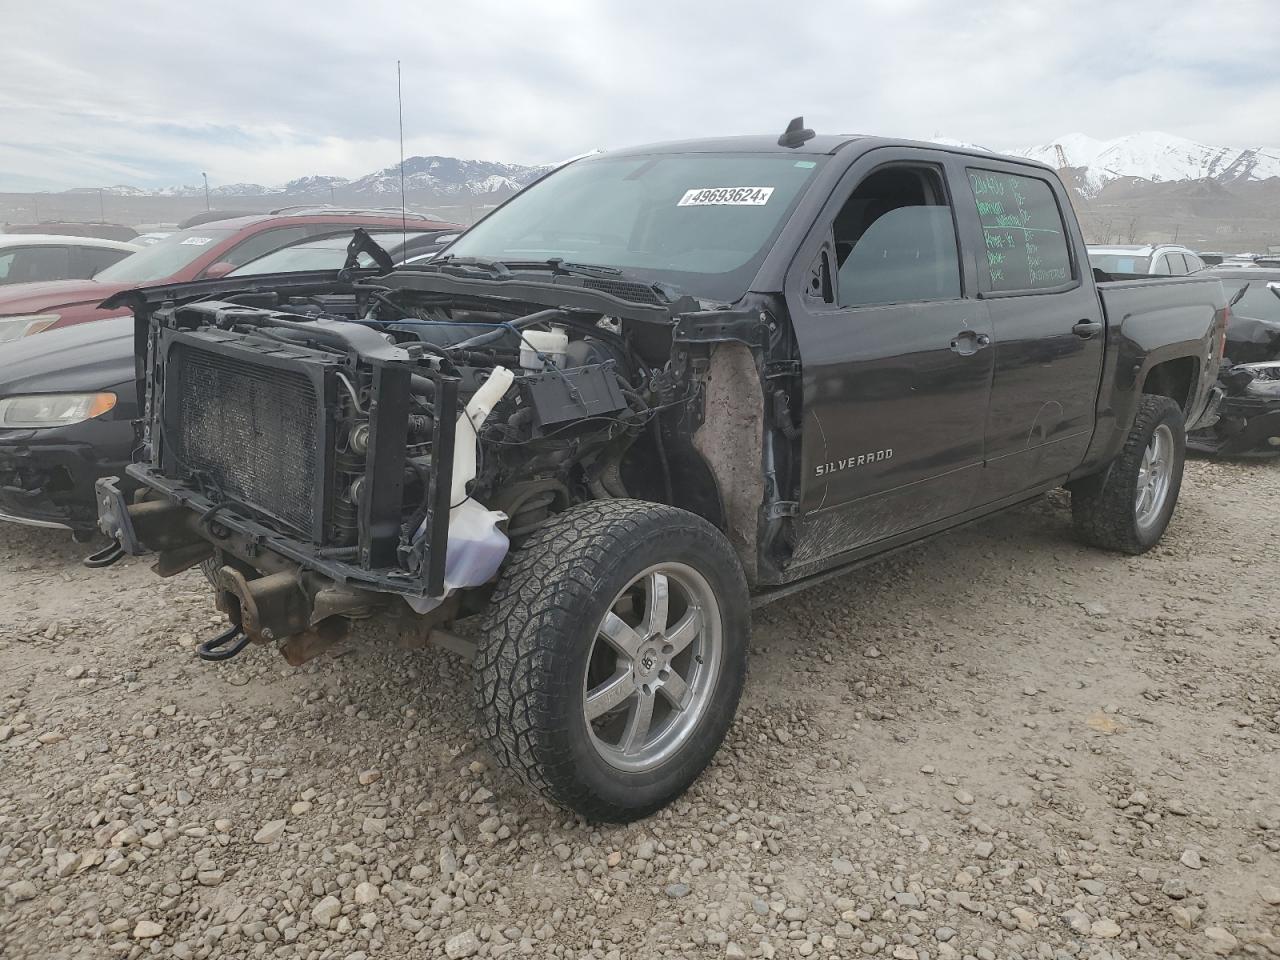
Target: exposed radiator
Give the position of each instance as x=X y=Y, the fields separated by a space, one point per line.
x=249 y=432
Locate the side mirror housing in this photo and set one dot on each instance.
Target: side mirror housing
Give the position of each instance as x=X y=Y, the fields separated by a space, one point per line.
x=219 y=269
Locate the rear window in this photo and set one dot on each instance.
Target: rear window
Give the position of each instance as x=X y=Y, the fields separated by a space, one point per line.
x=1119 y=263
x=162 y=260
x=1023 y=232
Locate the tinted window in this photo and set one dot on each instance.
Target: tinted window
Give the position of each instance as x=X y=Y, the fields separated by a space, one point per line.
x=1023 y=231
x=1194 y=263
x=1163 y=267
x=162 y=260
x=29 y=264
x=906 y=255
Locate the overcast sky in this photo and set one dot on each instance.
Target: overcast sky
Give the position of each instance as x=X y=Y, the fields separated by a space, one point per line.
x=151 y=92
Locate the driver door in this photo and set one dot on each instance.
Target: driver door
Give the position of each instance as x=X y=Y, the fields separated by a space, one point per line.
x=897 y=357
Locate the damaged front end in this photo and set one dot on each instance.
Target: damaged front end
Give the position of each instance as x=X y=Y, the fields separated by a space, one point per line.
x=1248 y=421
x=327 y=450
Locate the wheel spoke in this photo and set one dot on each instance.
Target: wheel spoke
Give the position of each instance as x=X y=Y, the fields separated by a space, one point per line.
x=637 y=730
x=657 y=589
x=676 y=690
x=620 y=636
x=610 y=694
x=684 y=632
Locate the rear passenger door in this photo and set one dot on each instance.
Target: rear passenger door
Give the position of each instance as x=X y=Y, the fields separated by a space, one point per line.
x=1047 y=323
x=897 y=359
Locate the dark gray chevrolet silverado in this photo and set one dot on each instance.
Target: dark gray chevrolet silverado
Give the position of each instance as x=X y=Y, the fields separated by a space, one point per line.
x=657 y=386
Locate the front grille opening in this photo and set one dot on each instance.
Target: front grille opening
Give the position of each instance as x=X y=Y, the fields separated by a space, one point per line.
x=250 y=433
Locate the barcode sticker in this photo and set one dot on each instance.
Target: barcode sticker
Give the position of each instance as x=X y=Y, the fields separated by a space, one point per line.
x=726 y=196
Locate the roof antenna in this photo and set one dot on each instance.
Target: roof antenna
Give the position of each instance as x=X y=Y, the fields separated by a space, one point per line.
x=404 y=228
x=796 y=134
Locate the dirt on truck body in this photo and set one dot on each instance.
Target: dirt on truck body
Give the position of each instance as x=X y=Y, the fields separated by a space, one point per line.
x=652 y=386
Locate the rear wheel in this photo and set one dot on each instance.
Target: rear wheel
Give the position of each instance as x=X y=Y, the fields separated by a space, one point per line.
x=613 y=656
x=1128 y=506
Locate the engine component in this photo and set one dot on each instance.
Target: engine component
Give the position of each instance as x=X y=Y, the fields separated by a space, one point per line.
x=562 y=396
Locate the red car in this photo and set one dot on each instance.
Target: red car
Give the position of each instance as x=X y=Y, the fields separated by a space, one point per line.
x=202 y=252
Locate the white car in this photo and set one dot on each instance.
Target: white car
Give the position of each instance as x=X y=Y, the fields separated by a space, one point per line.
x=1160 y=259
x=28 y=257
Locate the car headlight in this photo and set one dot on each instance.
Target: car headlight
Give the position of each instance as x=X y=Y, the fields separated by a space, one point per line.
x=53 y=409
x=1266 y=378
x=14 y=328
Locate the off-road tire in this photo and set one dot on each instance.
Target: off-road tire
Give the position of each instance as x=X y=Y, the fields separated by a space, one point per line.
x=538 y=630
x=1103 y=506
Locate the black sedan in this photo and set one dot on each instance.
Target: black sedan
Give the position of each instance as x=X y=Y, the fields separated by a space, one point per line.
x=67 y=402
x=1249 y=417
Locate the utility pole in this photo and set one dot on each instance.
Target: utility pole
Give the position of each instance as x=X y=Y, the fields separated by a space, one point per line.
x=102 y=207
x=333 y=196
x=1175 y=232
x=206 y=191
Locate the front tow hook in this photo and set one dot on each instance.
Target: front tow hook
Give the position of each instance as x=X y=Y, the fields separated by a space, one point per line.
x=111 y=553
x=225 y=645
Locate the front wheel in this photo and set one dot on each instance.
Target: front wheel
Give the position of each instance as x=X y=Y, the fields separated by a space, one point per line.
x=612 y=657
x=1128 y=506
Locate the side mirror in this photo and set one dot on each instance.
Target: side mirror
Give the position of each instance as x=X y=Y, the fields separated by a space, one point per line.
x=219 y=269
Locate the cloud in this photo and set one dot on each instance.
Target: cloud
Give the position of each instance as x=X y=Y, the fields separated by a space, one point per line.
x=152 y=93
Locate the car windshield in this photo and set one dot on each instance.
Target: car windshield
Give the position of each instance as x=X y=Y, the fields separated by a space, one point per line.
x=327 y=254
x=1119 y=263
x=1258 y=302
x=165 y=257
x=703 y=222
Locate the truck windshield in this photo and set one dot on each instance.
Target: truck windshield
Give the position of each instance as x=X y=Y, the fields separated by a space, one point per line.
x=702 y=222
x=1119 y=263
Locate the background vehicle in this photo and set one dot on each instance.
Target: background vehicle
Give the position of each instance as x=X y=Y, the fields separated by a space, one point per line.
x=1165 y=259
x=211 y=250
x=48 y=469
x=31 y=257
x=74 y=228
x=653 y=383
x=329 y=253
x=67 y=405
x=1249 y=416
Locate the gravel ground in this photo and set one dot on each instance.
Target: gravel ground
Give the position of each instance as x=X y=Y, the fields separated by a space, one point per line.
x=997 y=745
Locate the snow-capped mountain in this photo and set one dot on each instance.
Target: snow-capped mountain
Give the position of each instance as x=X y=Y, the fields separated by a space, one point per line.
x=438 y=177
x=1154 y=156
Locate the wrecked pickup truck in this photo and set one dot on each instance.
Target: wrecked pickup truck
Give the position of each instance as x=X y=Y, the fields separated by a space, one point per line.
x=652 y=386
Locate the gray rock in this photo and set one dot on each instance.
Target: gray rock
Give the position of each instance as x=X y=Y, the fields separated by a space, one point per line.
x=461 y=945
x=324 y=912
x=1078 y=921
x=22 y=890
x=677 y=890
x=270 y=832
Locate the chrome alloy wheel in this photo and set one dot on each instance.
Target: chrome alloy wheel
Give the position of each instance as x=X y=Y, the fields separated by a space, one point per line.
x=1154 y=475
x=653 y=667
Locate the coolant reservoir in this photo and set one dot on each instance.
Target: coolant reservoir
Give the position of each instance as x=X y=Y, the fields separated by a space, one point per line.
x=552 y=343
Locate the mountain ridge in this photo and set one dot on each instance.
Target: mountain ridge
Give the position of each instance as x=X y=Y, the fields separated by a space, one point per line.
x=1092 y=163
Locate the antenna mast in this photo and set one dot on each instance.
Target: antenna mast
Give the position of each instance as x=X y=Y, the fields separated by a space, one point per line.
x=404 y=229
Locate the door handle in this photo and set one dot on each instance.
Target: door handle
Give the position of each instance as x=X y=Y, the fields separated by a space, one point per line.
x=1085 y=329
x=967 y=342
